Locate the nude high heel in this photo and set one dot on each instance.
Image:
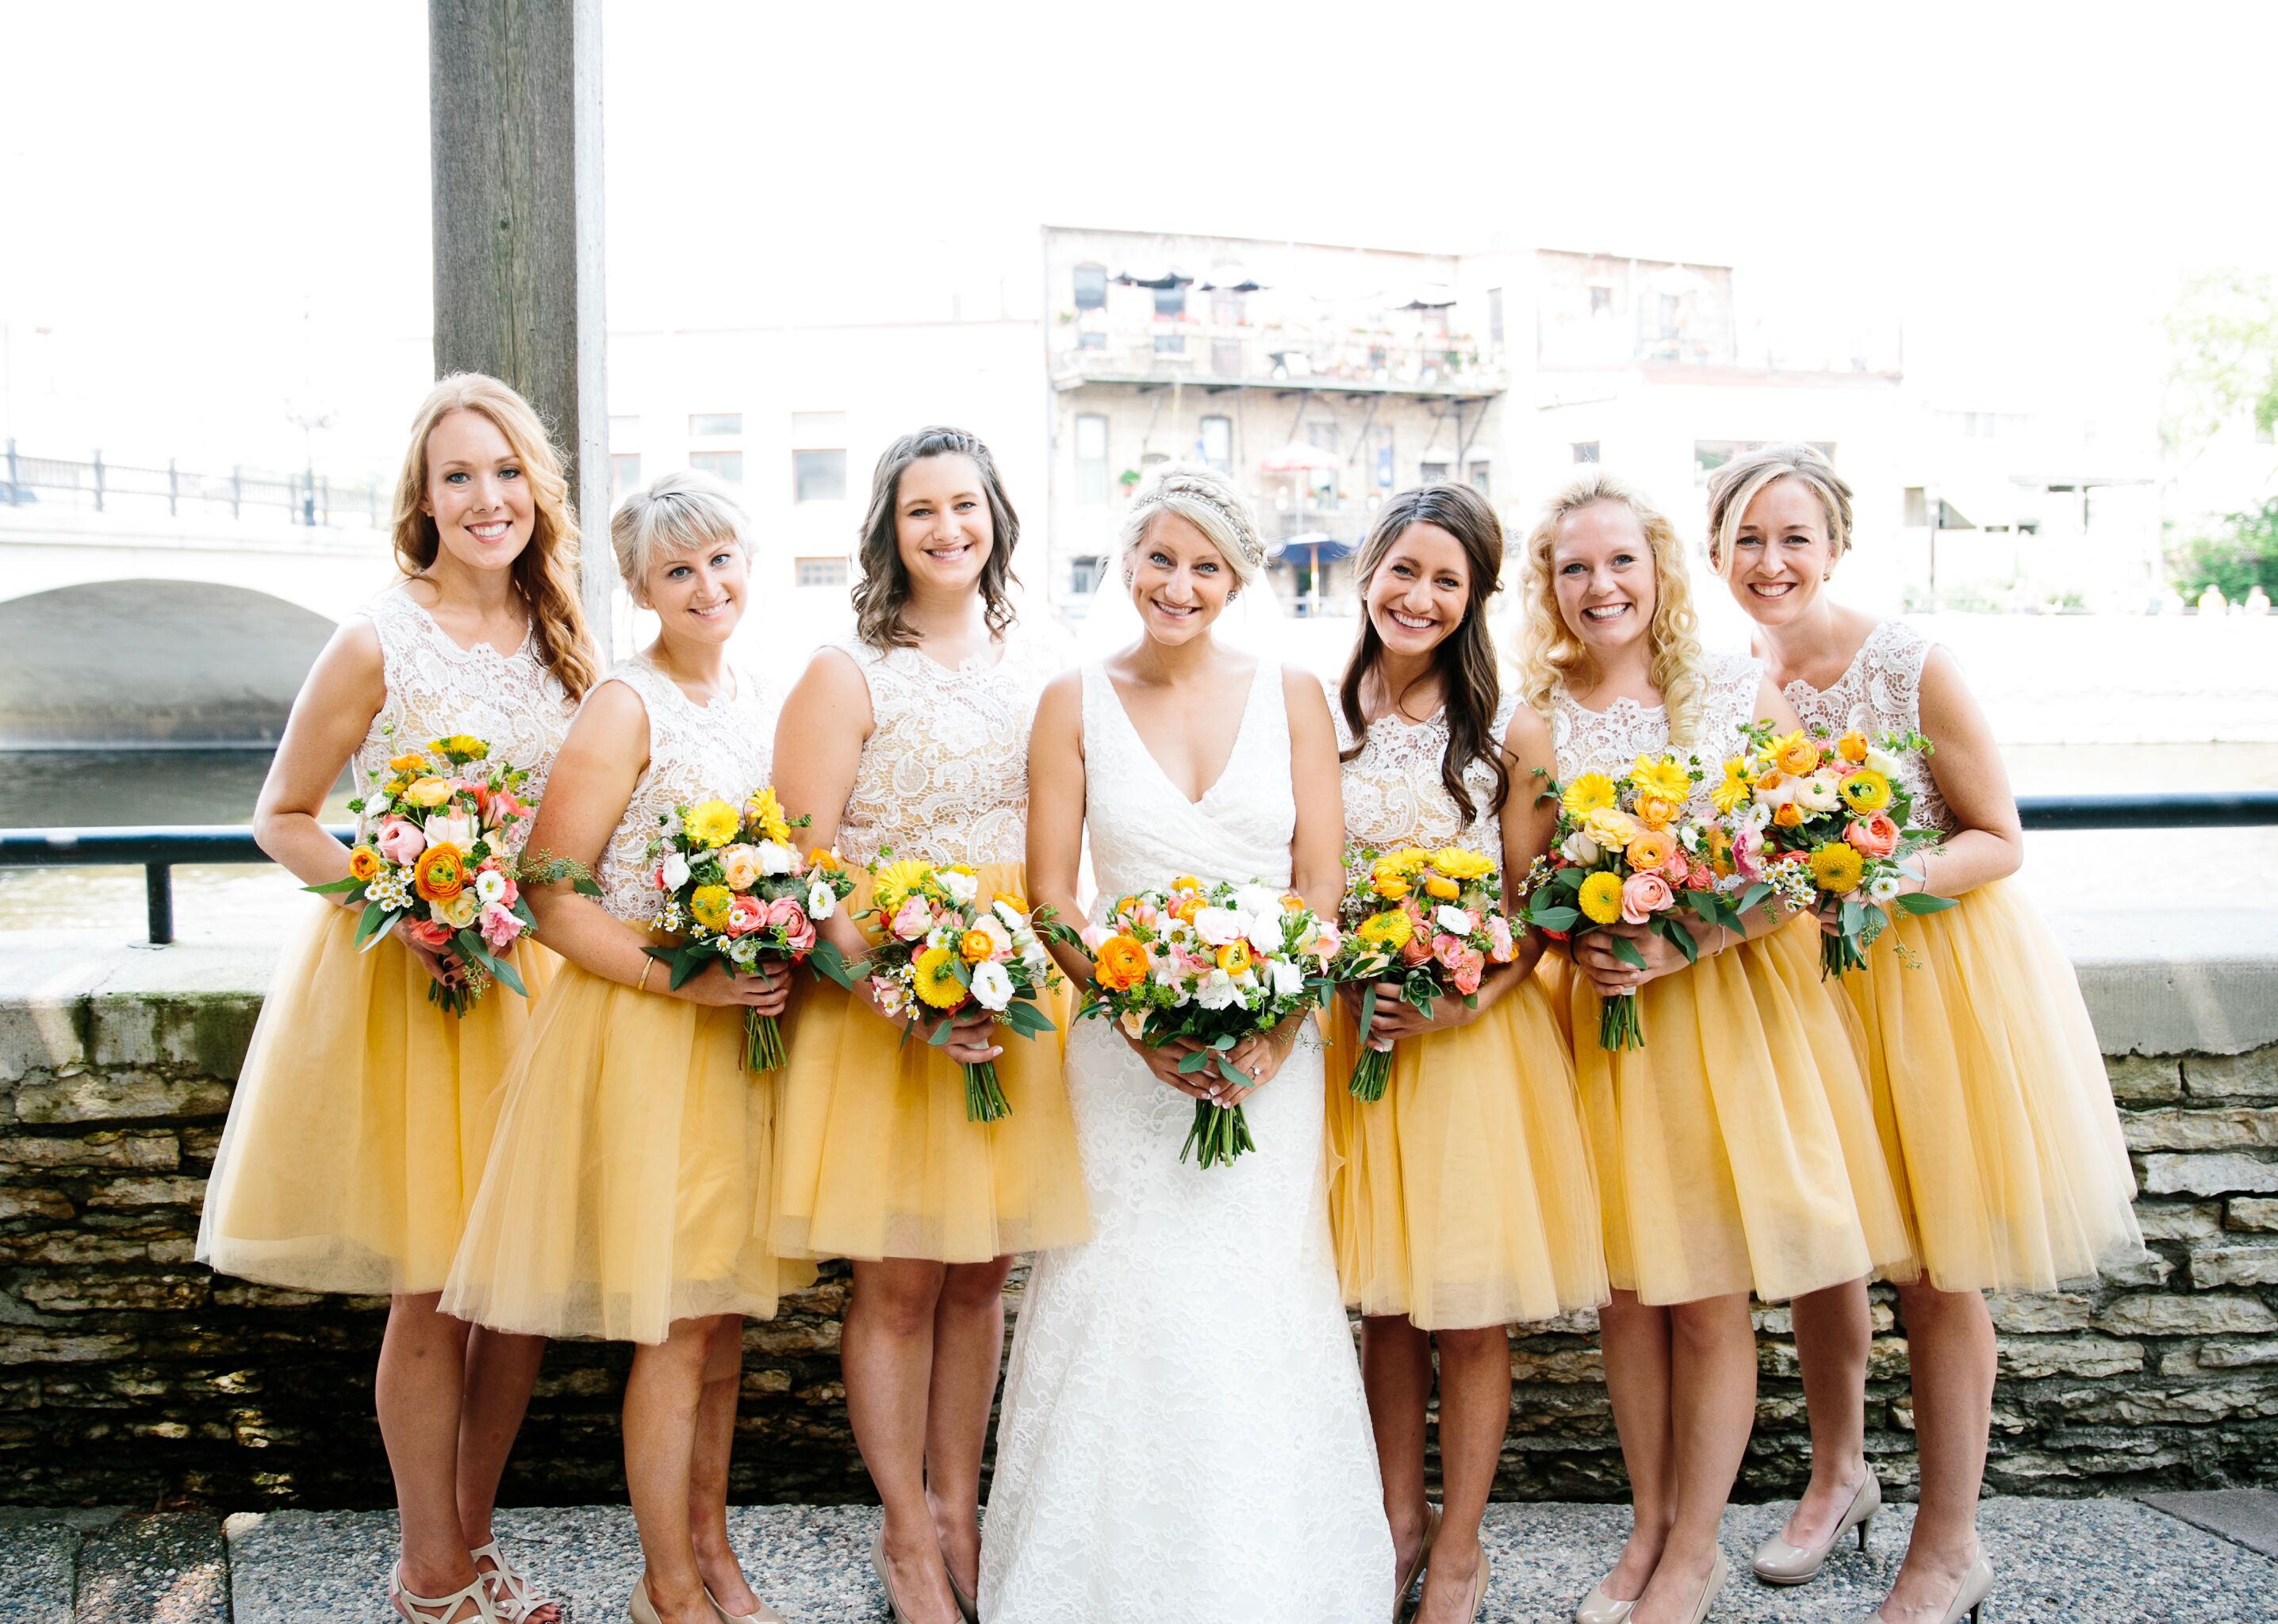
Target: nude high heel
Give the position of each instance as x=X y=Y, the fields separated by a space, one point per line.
x=1977 y=1585
x=1599 y=1608
x=765 y=1615
x=1777 y=1562
x=638 y=1605
x=966 y=1609
x=878 y=1566
x=1423 y=1555
x=1718 y=1573
x=439 y=1609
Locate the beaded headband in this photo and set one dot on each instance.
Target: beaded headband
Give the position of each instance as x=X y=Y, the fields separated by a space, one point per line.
x=1210 y=489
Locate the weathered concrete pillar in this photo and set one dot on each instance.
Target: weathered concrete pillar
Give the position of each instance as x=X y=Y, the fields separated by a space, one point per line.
x=515 y=123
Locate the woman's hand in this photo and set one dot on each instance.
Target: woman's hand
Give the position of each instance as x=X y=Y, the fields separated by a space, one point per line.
x=1395 y=1017
x=448 y=972
x=1163 y=1060
x=1594 y=955
x=766 y=990
x=972 y=1036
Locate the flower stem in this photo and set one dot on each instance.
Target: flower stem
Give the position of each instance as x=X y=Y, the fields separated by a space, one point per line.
x=984 y=1099
x=763 y=1046
x=1370 y=1073
x=1617 y=1023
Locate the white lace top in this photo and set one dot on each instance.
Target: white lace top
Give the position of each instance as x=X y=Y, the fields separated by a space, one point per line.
x=1611 y=740
x=1879 y=692
x=435 y=687
x=723 y=751
x=1392 y=791
x=944 y=773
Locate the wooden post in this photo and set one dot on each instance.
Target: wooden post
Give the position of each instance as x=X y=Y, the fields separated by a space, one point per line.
x=514 y=132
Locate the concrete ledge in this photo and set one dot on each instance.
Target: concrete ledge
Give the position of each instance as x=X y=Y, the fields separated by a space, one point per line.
x=2160 y=982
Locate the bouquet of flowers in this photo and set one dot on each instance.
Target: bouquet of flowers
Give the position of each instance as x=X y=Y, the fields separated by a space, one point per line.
x=1216 y=963
x=940 y=946
x=1839 y=811
x=1627 y=851
x=1430 y=920
x=732 y=886
x=440 y=843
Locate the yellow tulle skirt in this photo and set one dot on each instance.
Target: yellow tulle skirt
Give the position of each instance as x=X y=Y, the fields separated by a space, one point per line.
x=875 y=1157
x=1990 y=1096
x=362 y=1117
x=1736 y=1151
x=1465 y=1196
x=629 y=1179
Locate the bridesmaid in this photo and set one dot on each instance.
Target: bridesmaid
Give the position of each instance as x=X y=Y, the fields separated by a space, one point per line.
x=626 y=1193
x=1461 y=1201
x=1989 y=1086
x=912 y=736
x=1736 y=1151
x=364 y=1111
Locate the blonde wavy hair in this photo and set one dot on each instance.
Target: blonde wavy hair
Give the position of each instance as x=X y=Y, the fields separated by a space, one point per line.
x=546 y=572
x=1739 y=481
x=1548 y=653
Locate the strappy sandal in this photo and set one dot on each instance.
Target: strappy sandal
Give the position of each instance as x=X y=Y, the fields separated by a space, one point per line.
x=516 y=1598
x=415 y=1609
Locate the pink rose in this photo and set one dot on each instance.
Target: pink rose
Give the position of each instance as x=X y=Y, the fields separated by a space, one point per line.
x=1500 y=946
x=499 y=925
x=1749 y=854
x=745 y=916
x=1470 y=965
x=500 y=807
x=1643 y=895
x=1146 y=914
x=798 y=933
x=1093 y=935
x=1418 y=950
x=1698 y=878
x=1449 y=950
x=913 y=920
x=401 y=841
x=429 y=934
x=1326 y=940
x=1874 y=835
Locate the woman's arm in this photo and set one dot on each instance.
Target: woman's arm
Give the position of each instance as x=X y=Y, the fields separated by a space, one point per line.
x=1055 y=798
x=1965 y=765
x=586 y=793
x=1317 y=849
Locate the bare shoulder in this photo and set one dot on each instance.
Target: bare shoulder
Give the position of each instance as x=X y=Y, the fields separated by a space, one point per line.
x=1528 y=736
x=614 y=715
x=1303 y=692
x=1060 y=703
x=832 y=685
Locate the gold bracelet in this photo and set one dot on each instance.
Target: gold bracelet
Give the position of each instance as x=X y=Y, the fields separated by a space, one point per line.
x=647 y=964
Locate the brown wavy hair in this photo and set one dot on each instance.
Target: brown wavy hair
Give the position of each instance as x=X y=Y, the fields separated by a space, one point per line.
x=1471 y=691
x=1549 y=654
x=884 y=585
x=546 y=572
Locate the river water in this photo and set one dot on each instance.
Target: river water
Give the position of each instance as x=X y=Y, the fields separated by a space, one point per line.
x=42 y=790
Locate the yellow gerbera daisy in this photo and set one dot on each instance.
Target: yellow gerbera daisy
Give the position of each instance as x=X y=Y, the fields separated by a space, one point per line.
x=1836 y=866
x=713 y=823
x=1663 y=779
x=1865 y=791
x=766 y=815
x=896 y=880
x=1388 y=929
x=1461 y=864
x=1587 y=794
x=1412 y=860
x=1600 y=898
x=1736 y=788
x=934 y=978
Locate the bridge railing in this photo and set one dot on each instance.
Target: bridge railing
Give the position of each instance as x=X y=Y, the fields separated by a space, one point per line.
x=104 y=486
x=159 y=850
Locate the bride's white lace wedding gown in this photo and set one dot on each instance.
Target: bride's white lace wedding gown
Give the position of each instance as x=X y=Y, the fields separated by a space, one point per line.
x=1184 y=1437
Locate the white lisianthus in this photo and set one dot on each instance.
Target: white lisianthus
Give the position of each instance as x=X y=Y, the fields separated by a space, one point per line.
x=1289 y=980
x=1220 y=927
x=1264 y=932
x=1454 y=920
x=489 y=886
x=675 y=871
x=1882 y=761
x=1217 y=991
x=1580 y=848
x=822 y=902
x=1038 y=958
x=1689 y=837
x=776 y=858
x=1757 y=815
x=1883 y=888
x=993 y=988
x=450 y=829
x=1013 y=918
x=1257 y=899
x=961 y=887
x=1816 y=793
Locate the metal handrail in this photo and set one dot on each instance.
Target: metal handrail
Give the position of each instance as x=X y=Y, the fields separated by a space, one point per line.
x=157 y=849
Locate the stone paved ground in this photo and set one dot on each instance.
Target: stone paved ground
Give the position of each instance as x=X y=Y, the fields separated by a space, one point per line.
x=2109 y=1561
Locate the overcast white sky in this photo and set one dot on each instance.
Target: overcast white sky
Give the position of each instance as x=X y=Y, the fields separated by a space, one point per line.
x=2022 y=184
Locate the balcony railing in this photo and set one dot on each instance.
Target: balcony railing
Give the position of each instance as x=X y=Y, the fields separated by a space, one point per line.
x=100 y=485
x=1220 y=356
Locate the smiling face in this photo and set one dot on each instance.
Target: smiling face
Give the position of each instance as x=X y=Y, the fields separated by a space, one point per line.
x=699 y=594
x=1419 y=594
x=1781 y=553
x=1601 y=568
x=477 y=492
x=1180 y=580
x=942 y=529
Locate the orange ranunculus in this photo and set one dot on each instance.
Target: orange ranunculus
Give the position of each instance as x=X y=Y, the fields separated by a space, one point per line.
x=1655 y=812
x=1291 y=902
x=1441 y=888
x=1018 y=904
x=1188 y=907
x=1126 y=905
x=1789 y=815
x=1121 y=963
x=1234 y=958
x=973 y=946
x=363 y=863
x=411 y=761
x=825 y=859
x=1650 y=849
x=1798 y=755
x=1186 y=882
x=1852 y=747
x=441 y=873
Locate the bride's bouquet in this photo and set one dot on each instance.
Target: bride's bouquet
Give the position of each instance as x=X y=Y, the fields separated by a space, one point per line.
x=940 y=946
x=1432 y=921
x=440 y=843
x=1839 y=811
x=1214 y=963
x=732 y=887
x=1627 y=851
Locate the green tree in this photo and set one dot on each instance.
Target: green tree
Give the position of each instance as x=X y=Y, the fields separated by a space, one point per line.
x=2224 y=335
x=2243 y=553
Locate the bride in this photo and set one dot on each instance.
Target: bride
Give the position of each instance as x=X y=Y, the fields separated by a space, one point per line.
x=1184 y=1437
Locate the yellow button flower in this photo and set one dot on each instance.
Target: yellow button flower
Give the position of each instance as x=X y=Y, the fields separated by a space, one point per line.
x=1836 y=866
x=1600 y=898
x=934 y=975
x=709 y=905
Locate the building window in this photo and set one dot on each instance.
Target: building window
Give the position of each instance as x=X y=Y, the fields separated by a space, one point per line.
x=822 y=572
x=818 y=475
x=1170 y=302
x=711 y=425
x=1090 y=288
x=1091 y=460
x=1228 y=306
x=1601 y=302
x=1432 y=473
x=1585 y=451
x=1482 y=479
x=728 y=465
x=1085 y=573
x=624 y=472
x=1494 y=315
x=1216 y=444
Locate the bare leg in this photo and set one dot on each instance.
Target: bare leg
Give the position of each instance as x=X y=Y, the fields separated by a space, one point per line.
x=1950 y=1342
x=707 y=1469
x=1712 y=1409
x=417 y=1391
x=886 y=1354
x=500 y=1370
x=1832 y=1335
x=968 y=1347
x=1395 y=1368
x=1474 y=1415
x=662 y=1398
x=1636 y=1341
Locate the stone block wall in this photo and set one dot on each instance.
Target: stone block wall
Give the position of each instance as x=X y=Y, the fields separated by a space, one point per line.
x=128 y=1374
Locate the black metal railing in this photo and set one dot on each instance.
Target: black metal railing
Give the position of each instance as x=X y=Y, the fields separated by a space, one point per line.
x=305 y=498
x=157 y=851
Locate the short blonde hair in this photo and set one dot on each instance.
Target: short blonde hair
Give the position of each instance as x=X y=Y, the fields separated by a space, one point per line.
x=1739 y=481
x=1205 y=499
x=673 y=514
x=1549 y=654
